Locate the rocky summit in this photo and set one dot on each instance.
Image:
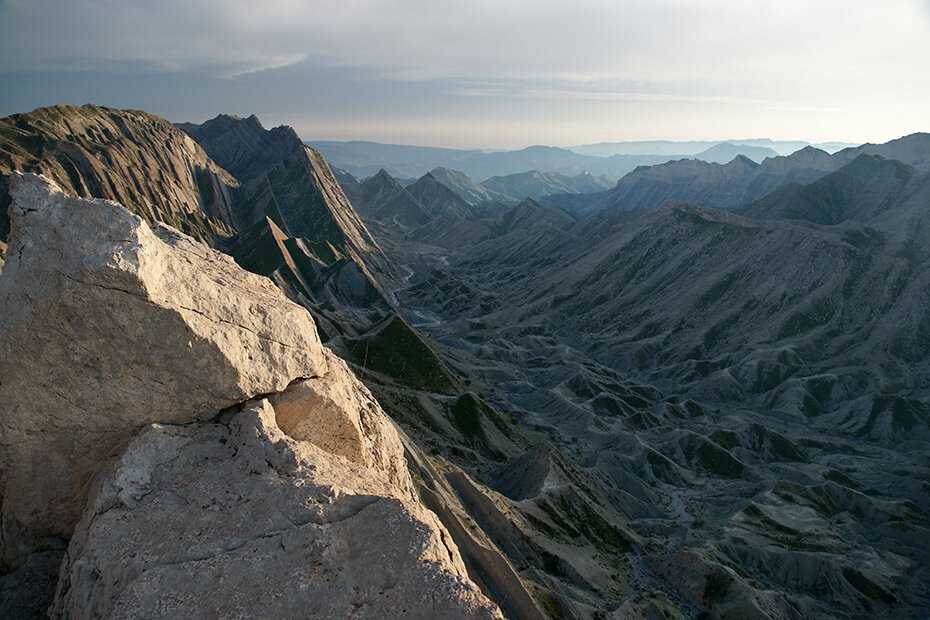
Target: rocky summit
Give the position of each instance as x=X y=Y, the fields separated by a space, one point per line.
x=175 y=421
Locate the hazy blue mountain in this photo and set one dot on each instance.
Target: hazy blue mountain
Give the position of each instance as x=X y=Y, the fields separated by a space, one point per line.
x=690 y=180
x=362 y=153
x=833 y=147
x=731 y=185
x=465 y=186
x=912 y=149
x=678 y=150
x=669 y=148
x=536 y=184
x=859 y=191
x=365 y=159
x=586 y=183
x=726 y=151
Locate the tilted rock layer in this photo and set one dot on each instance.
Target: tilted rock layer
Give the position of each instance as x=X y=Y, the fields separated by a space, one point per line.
x=140 y=160
x=236 y=455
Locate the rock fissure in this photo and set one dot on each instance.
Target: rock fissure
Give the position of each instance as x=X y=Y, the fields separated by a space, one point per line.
x=181 y=307
x=237 y=325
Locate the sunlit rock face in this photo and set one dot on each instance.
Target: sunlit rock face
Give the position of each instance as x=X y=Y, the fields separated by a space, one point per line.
x=179 y=420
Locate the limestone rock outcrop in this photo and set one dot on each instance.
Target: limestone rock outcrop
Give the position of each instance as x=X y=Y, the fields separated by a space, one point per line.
x=183 y=415
x=109 y=324
x=336 y=413
x=269 y=526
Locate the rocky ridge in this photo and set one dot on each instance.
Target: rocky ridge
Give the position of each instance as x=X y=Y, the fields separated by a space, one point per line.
x=383 y=199
x=735 y=184
x=437 y=198
x=133 y=157
x=466 y=187
x=537 y=185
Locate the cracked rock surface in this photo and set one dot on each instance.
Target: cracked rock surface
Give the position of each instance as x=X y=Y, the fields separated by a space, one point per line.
x=252 y=523
x=109 y=324
x=179 y=421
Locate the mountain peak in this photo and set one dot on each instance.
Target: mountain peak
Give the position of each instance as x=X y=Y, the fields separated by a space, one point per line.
x=742 y=160
x=242 y=145
x=120 y=155
x=383 y=199
x=436 y=198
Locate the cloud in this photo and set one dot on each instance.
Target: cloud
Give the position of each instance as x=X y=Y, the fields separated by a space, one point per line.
x=561 y=94
x=659 y=40
x=644 y=61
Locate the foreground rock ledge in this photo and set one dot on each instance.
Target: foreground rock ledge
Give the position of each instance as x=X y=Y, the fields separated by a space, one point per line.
x=106 y=325
x=239 y=520
x=144 y=377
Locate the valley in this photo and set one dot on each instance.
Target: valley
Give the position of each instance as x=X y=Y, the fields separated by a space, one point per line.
x=754 y=390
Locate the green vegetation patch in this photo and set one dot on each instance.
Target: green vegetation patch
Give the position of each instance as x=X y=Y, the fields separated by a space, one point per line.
x=592 y=525
x=466 y=415
x=397 y=351
x=256 y=250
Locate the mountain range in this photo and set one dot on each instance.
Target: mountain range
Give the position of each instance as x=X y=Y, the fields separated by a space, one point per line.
x=618 y=403
x=365 y=159
x=692 y=148
x=735 y=184
x=736 y=368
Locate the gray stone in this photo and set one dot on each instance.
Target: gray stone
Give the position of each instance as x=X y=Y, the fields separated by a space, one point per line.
x=213 y=520
x=107 y=325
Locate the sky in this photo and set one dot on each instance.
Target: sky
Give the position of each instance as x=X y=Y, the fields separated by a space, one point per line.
x=485 y=73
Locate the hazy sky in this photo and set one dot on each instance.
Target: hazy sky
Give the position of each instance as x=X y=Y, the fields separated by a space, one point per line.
x=486 y=73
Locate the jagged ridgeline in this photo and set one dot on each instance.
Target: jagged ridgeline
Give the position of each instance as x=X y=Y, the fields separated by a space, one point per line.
x=162 y=174
x=131 y=157
x=275 y=206
x=651 y=411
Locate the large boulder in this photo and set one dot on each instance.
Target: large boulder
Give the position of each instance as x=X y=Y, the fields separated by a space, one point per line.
x=108 y=324
x=215 y=458
x=236 y=519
